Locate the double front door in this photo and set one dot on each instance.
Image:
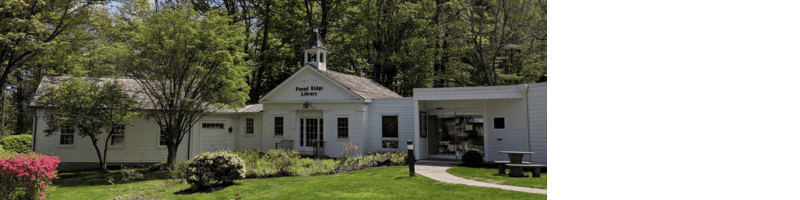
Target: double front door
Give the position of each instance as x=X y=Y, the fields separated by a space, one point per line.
x=310 y=133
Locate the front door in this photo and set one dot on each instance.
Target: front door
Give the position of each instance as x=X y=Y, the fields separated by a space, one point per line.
x=310 y=134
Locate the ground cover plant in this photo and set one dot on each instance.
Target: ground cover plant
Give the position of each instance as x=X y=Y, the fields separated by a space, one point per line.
x=490 y=175
x=26 y=175
x=377 y=183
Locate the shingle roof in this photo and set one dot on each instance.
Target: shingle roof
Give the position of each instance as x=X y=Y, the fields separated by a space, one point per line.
x=364 y=87
x=314 y=41
x=129 y=85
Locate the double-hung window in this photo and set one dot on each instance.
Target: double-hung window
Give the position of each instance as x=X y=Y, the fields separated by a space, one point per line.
x=249 y=129
x=341 y=127
x=162 y=138
x=118 y=135
x=278 y=126
x=67 y=136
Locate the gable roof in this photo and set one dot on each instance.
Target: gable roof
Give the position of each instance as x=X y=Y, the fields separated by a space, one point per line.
x=129 y=85
x=314 y=41
x=364 y=87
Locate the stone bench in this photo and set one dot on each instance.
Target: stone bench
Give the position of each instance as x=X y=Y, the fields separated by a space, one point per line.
x=536 y=168
x=501 y=166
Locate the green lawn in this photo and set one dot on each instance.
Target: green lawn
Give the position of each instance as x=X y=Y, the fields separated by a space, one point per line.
x=381 y=183
x=490 y=175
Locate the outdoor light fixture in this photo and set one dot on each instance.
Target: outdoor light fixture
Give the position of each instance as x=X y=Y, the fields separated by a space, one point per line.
x=306 y=104
x=410 y=158
x=230 y=129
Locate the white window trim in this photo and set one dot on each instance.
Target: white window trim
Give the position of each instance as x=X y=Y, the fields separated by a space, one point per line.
x=274 y=125
x=123 y=138
x=348 y=127
x=66 y=145
x=254 y=126
x=158 y=140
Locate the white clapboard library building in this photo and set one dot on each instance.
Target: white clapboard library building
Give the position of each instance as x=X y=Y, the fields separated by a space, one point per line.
x=316 y=110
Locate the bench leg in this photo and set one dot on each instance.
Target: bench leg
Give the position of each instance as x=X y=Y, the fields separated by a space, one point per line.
x=502 y=168
x=536 y=172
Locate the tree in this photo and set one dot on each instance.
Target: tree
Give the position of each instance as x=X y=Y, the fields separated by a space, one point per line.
x=28 y=27
x=503 y=40
x=187 y=64
x=89 y=107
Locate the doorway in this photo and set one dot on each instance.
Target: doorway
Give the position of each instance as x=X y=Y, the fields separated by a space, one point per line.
x=311 y=134
x=453 y=135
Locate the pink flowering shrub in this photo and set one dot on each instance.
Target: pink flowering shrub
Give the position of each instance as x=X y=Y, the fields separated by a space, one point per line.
x=29 y=173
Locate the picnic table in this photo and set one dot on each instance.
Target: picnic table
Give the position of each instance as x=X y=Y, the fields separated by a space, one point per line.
x=515 y=157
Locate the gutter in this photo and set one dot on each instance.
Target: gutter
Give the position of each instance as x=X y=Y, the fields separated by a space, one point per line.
x=528 y=121
x=35 y=119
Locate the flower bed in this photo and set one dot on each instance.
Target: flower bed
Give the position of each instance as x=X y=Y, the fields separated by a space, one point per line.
x=26 y=175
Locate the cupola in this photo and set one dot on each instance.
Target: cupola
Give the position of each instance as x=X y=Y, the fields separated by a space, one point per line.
x=315 y=52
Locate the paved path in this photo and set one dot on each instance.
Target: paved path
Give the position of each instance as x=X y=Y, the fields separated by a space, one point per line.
x=437 y=171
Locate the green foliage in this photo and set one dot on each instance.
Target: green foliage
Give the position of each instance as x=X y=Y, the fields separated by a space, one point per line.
x=282 y=160
x=188 y=64
x=90 y=106
x=2 y=151
x=129 y=173
x=213 y=168
x=17 y=143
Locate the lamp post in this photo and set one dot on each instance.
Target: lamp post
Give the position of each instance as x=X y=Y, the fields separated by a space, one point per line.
x=410 y=158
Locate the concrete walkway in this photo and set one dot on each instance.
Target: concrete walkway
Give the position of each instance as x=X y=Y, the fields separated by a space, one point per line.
x=436 y=170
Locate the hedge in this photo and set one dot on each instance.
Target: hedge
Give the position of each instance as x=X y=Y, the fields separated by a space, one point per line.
x=17 y=143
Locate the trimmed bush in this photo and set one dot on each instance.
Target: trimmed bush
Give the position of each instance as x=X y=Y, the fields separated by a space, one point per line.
x=26 y=176
x=472 y=158
x=1 y=150
x=213 y=168
x=17 y=143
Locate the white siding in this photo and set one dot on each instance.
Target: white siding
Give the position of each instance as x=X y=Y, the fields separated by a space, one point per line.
x=403 y=108
x=514 y=137
x=246 y=141
x=330 y=111
x=141 y=144
x=537 y=116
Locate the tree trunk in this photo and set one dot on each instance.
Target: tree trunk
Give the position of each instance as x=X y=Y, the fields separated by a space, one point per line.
x=99 y=155
x=173 y=152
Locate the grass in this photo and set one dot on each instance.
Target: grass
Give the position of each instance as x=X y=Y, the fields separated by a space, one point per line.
x=489 y=175
x=380 y=183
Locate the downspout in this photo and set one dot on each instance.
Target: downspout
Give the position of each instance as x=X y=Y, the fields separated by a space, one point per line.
x=33 y=146
x=528 y=122
x=189 y=146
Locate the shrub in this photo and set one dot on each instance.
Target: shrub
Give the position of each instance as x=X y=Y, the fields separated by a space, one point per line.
x=222 y=167
x=282 y=160
x=1 y=150
x=30 y=173
x=129 y=173
x=17 y=143
x=472 y=158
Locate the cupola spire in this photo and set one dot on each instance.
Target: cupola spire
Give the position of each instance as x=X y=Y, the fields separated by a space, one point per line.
x=315 y=51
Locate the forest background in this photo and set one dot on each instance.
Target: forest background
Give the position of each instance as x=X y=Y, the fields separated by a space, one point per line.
x=401 y=44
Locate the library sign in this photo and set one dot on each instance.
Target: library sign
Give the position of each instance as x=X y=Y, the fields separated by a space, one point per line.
x=308 y=90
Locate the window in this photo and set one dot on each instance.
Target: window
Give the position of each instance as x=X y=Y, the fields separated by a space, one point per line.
x=341 y=127
x=279 y=125
x=67 y=136
x=213 y=125
x=499 y=123
x=162 y=138
x=118 y=136
x=389 y=127
x=249 y=128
